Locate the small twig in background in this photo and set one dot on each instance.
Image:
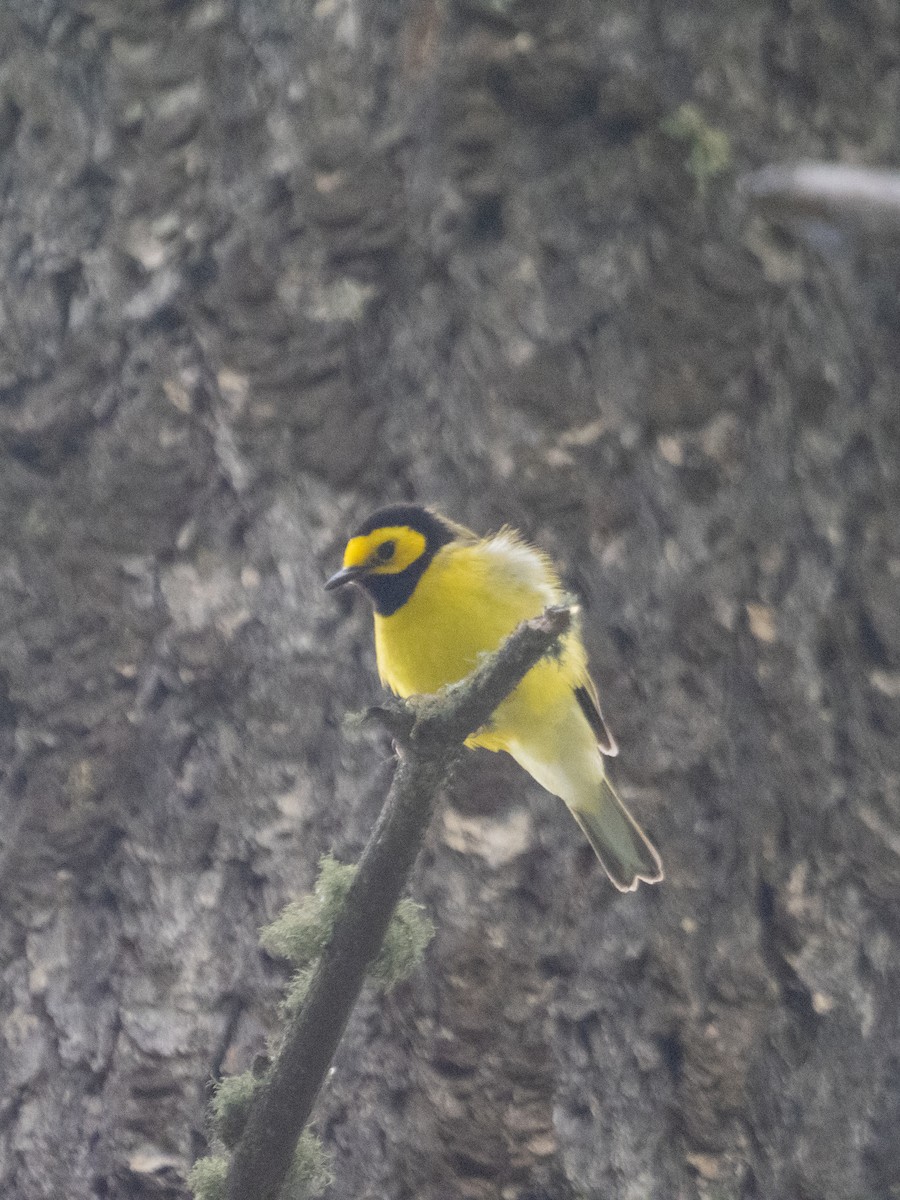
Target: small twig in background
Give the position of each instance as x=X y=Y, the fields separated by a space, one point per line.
x=832 y=192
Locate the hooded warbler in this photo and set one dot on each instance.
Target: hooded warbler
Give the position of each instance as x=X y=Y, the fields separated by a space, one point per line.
x=442 y=596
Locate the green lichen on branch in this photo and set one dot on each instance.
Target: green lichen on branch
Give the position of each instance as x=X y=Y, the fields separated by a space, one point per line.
x=230 y=1105
x=405 y=942
x=308 y=1176
x=300 y=934
x=709 y=148
x=207 y=1177
x=310 y=1171
x=293 y=999
x=304 y=927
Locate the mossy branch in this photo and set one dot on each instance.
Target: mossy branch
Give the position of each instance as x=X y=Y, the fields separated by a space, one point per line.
x=284 y=1101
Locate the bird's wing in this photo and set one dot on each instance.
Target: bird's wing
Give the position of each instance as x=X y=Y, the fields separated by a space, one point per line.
x=589 y=703
x=533 y=570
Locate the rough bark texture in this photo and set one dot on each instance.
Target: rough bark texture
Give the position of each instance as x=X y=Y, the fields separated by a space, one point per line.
x=264 y=265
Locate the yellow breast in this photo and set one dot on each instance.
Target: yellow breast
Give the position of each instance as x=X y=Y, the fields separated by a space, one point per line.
x=468 y=601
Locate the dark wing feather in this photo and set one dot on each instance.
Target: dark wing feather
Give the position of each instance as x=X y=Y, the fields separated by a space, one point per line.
x=589 y=703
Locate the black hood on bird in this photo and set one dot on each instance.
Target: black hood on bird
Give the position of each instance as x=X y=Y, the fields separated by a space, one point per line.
x=389 y=592
x=432 y=527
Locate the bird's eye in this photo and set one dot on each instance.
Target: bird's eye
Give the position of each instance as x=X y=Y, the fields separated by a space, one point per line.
x=385 y=551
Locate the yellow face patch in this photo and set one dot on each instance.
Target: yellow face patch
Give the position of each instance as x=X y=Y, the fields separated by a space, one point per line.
x=386 y=551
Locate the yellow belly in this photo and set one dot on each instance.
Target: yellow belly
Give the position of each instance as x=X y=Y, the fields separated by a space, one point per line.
x=457 y=612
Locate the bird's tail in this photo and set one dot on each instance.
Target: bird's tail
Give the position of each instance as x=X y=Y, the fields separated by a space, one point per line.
x=625 y=852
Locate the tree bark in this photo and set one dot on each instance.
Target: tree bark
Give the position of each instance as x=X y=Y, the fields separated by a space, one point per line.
x=266 y=266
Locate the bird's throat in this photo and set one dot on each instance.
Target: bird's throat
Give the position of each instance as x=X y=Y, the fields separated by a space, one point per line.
x=390 y=591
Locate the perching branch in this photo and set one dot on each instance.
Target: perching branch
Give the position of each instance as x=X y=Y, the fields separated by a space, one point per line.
x=440 y=726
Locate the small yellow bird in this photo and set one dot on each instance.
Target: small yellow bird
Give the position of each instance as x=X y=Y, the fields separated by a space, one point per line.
x=443 y=596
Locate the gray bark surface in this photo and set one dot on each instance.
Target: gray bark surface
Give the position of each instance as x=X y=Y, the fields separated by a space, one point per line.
x=264 y=266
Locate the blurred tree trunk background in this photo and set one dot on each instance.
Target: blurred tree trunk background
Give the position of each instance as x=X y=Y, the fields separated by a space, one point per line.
x=266 y=264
